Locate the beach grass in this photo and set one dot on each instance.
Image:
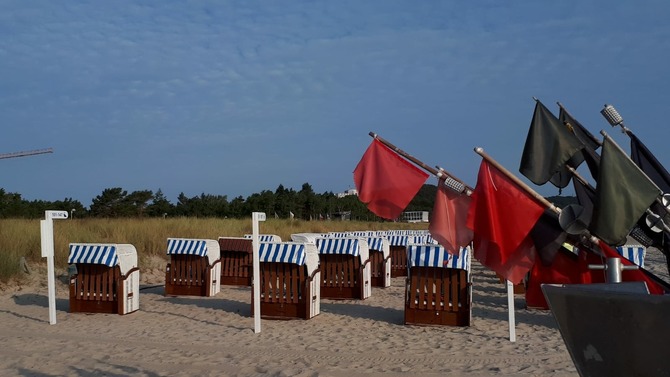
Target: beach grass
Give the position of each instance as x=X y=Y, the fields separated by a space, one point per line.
x=21 y=238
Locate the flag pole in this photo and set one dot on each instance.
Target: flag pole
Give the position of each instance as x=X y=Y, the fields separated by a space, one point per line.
x=440 y=174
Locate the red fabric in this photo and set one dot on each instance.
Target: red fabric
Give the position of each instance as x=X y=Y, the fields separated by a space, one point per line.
x=567 y=268
x=386 y=182
x=501 y=216
x=574 y=269
x=448 y=219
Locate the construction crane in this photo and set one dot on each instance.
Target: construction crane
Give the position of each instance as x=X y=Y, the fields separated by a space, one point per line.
x=25 y=153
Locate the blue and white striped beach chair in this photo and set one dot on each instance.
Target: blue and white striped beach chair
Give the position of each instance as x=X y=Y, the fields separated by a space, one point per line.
x=289 y=280
x=380 y=261
x=194 y=268
x=345 y=268
x=107 y=278
x=398 y=248
x=307 y=237
x=634 y=253
x=265 y=237
x=438 y=289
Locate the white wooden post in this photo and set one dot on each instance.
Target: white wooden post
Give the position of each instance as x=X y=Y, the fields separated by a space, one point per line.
x=510 y=309
x=255 y=218
x=47 y=240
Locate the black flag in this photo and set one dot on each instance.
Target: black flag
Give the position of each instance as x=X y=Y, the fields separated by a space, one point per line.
x=648 y=163
x=623 y=194
x=549 y=145
x=590 y=143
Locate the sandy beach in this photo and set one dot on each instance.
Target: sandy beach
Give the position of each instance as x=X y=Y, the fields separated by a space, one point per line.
x=213 y=336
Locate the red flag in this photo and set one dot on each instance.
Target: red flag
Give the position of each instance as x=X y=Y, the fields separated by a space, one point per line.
x=386 y=182
x=501 y=216
x=570 y=268
x=566 y=268
x=448 y=220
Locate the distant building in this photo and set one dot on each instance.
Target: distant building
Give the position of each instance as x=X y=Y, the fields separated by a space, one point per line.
x=342 y=215
x=415 y=217
x=347 y=193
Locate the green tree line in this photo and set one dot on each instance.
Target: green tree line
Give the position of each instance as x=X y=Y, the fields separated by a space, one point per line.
x=284 y=202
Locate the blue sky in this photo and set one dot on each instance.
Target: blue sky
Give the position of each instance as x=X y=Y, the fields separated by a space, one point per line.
x=235 y=97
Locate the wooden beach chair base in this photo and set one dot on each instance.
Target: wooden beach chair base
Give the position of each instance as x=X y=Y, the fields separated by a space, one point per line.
x=378 y=265
x=235 y=268
x=188 y=275
x=236 y=261
x=342 y=277
x=437 y=296
x=286 y=291
x=398 y=261
x=98 y=288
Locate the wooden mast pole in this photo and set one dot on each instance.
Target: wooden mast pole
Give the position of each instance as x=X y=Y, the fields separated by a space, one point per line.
x=441 y=173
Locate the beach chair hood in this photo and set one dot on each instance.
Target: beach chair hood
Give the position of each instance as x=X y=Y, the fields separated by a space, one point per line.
x=429 y=255
x=108 y=254
x=201 y=247
x=290 y=252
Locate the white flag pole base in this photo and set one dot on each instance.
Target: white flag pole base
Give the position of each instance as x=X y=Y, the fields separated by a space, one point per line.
x=510 y=309
x=255 y=218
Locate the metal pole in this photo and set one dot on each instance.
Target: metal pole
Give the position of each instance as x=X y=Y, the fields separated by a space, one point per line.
x=613 y=269
x=441 y=173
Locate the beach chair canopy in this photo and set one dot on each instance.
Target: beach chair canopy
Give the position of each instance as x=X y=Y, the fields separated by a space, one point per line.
x=397 y=240
x=379 y=244
x=429 y=255
x=290 y=252
x=357 y=247
x=307 y=237
x=122 y=255
x=388 y=233
x=352 y=234
x=265 y=237
x=235 y=244
x=634 y=253
x=200 y=247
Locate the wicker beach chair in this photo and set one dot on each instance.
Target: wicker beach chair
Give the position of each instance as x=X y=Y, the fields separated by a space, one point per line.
x=345 y=268
x=289 y=281
x=380 y=262
x=194 y=268
x=438 y=290
x=236 y=258
x=398 y=241
x=236 y=261
x=107 y=279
